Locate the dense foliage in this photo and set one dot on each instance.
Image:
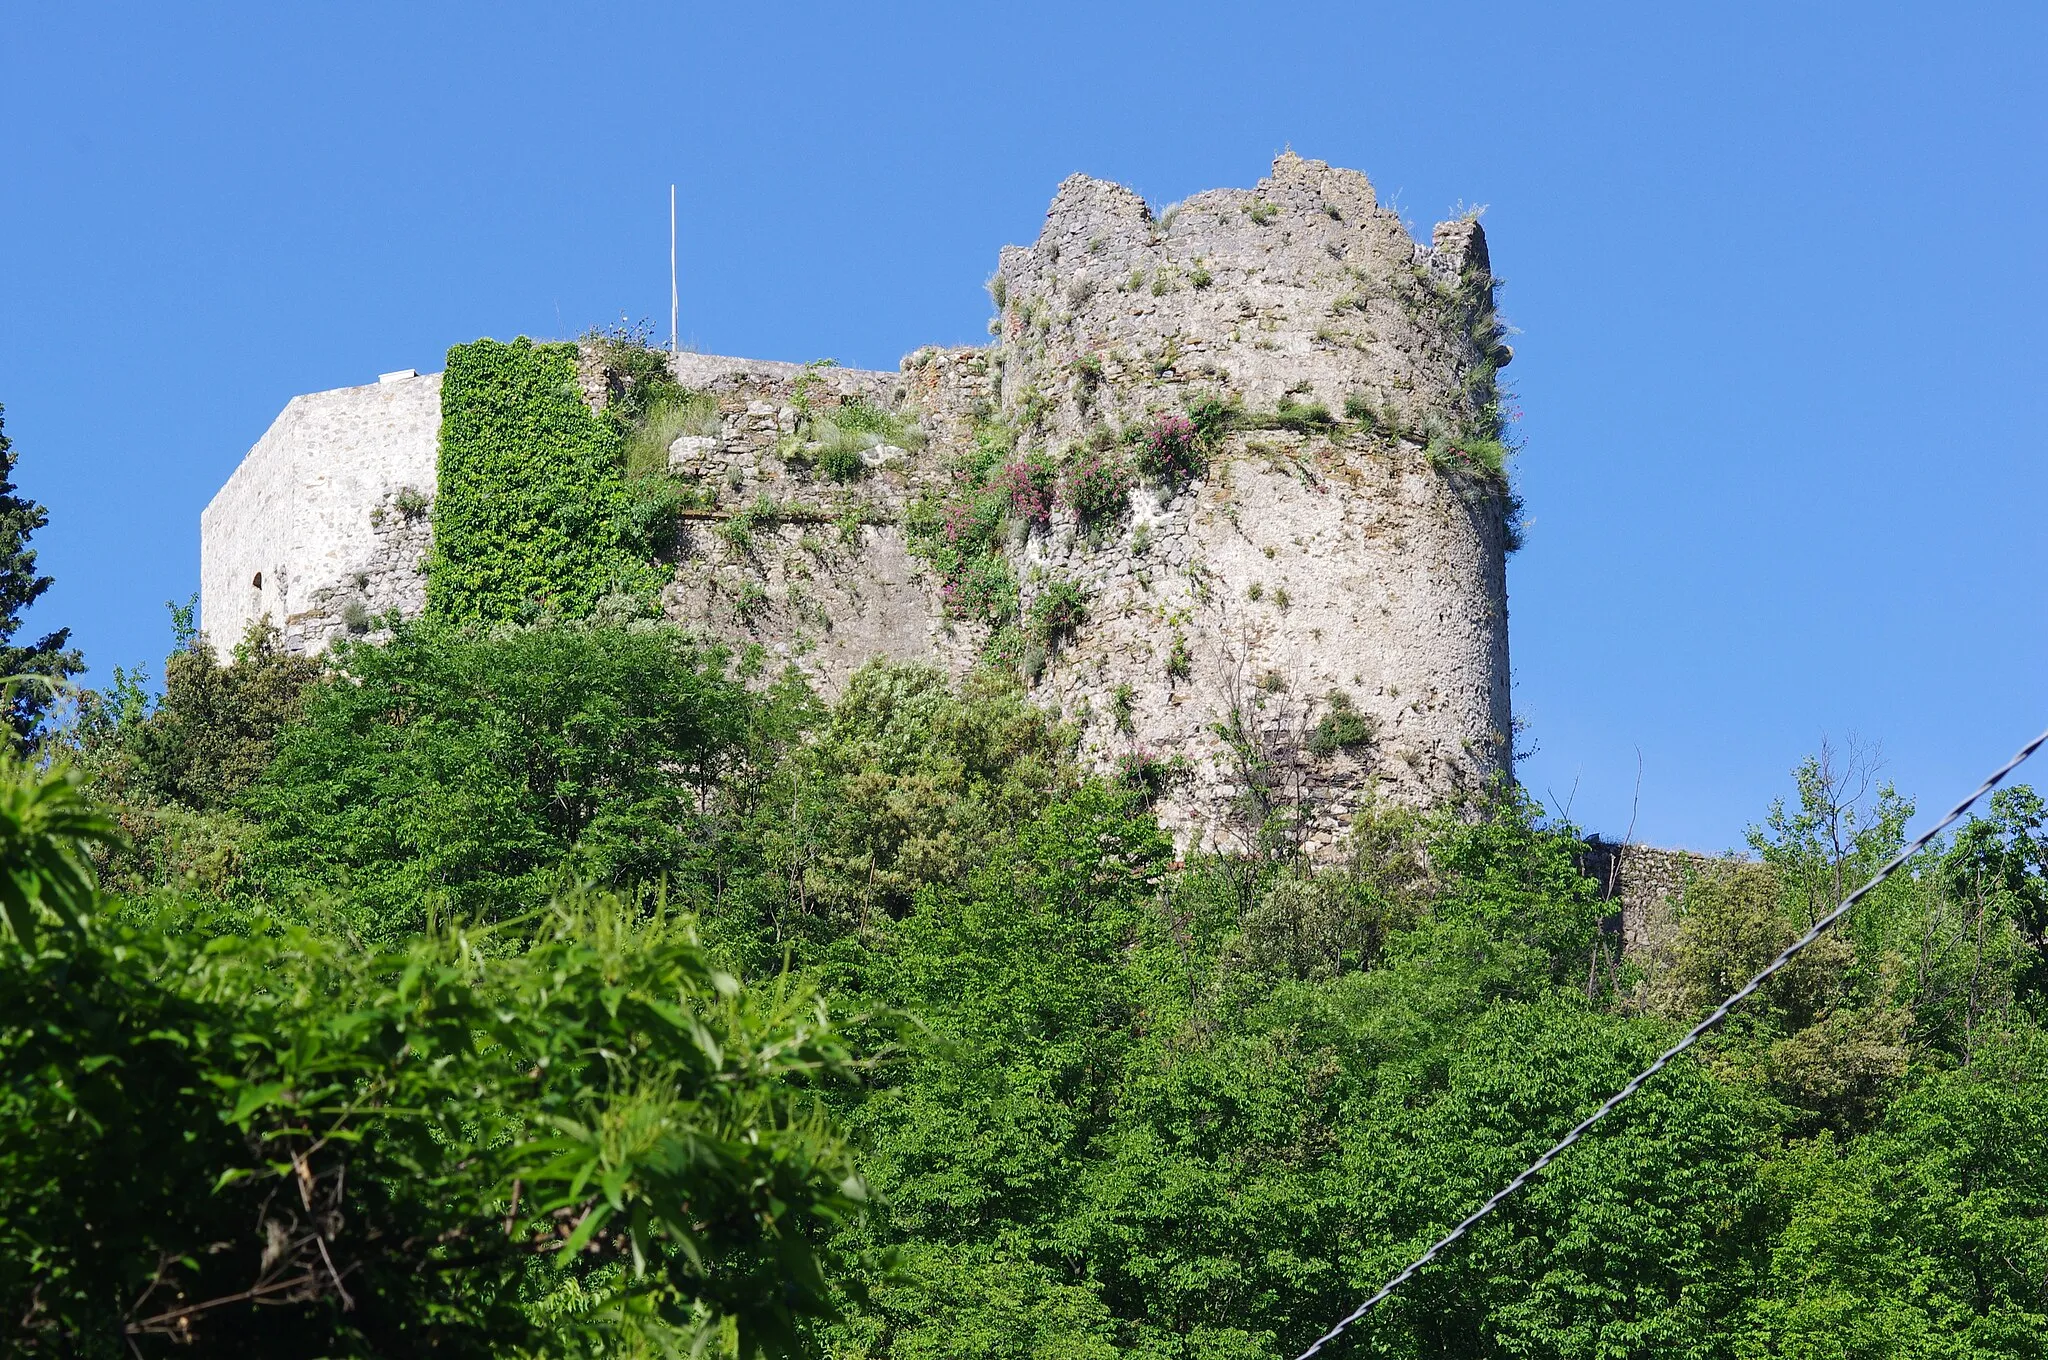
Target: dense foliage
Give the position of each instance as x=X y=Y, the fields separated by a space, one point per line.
x=533 y=514
x=274 y=1142
x=1066 y=1095
x=468 y=776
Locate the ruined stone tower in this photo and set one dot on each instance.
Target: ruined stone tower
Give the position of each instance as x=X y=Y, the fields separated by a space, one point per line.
x=1314 y=615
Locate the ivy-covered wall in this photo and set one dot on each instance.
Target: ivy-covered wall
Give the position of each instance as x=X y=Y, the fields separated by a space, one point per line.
x=531 y=514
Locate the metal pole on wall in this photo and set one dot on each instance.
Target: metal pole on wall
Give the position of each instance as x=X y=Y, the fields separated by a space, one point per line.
x=672 y=348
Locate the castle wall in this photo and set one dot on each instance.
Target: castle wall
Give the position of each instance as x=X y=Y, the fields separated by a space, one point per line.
x=832 y=583
x=1376 y=576
x=313 y=529
x=1648 y=883
x=1305 y=571
x=1302 y=285
x=1374 y=580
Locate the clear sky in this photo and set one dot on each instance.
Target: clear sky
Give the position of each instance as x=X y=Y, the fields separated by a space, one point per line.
x=1775 y=268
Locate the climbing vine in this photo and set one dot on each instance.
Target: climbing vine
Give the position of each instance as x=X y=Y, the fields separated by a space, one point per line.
x=533 y=514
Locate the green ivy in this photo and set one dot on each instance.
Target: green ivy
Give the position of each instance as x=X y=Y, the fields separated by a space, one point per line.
x=533 y=513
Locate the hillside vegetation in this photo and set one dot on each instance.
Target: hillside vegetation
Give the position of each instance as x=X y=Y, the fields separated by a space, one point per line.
x=561 y=989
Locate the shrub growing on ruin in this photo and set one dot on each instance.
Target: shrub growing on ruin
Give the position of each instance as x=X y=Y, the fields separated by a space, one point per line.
x=983 y=589
x=1342 y=728
x=1300 y=417
x=961 y=534
x=841 y=462
x=1148 y=775
x=971 y=523
x=993 y=441
x=1478 y=469
x=749 y=601
x=1213 y=417
x=1030 y=483
x=410 y=503
x=1060 y=608
x=1004 y=650
x=1097 y=485
x=836 y=439
x=1483 y=460
x=863 y=417
x=1123 y=703
x=1168 y=448
x=648 y=435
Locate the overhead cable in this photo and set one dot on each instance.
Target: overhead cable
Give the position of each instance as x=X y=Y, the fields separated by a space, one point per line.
x=1714 y=1017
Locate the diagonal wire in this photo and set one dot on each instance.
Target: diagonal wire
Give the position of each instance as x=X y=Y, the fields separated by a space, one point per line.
x=1715 y=1017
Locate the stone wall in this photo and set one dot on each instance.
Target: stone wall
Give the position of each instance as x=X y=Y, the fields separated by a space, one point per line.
x=324 y=527
x=1302 y=285
x=1306 y=571
x=1305 y=566
x=823 y=578
x=1647 y=884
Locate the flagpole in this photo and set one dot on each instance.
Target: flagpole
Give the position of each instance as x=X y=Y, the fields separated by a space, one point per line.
x=672 y=310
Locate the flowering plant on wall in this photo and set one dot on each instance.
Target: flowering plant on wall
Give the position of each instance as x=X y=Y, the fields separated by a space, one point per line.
x=982 y=588
x=1167 y=447
x=1029 y=483
x=1096 y=485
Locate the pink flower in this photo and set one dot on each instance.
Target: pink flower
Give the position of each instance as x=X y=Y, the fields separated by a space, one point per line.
x=1029 y=485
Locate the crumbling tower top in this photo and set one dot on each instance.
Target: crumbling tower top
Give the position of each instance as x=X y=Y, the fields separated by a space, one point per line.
x=1302 y=287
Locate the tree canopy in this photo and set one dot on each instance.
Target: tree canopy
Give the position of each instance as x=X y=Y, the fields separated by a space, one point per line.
x=573 y=988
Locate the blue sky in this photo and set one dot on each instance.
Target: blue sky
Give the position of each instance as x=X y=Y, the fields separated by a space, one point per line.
x=1774 y=266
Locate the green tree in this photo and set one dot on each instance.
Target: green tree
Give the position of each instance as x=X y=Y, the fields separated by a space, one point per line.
x=30 y=672
x=2001 y=861
x=1927 y=1237
x=47 y=833
x=483 y=771
x=272 y=1142
x=1143 y=1107
x=1173 y=1145
x=214 y=731
x=910 y=782
x=172 y=768
x=230 y=1131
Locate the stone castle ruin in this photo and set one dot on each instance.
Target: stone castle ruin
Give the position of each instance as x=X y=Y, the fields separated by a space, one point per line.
x=1312 y=610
